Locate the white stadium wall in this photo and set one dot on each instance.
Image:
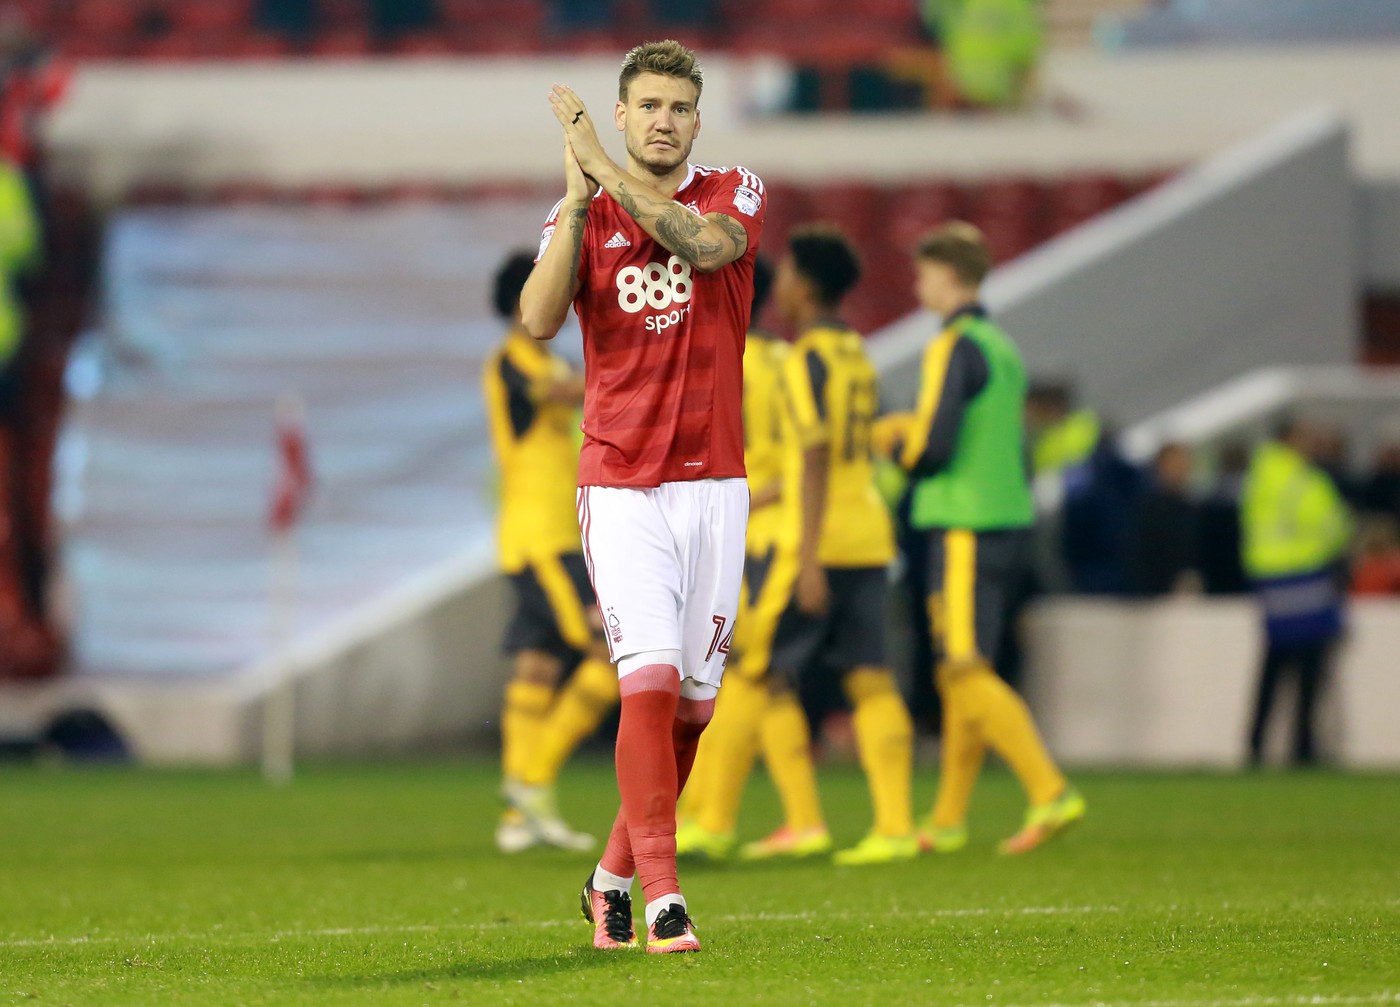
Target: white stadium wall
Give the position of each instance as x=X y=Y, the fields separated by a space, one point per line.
x=1171 y=683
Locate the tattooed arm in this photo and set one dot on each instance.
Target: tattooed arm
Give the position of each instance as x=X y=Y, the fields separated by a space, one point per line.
x=554 y=282
x=707 y=242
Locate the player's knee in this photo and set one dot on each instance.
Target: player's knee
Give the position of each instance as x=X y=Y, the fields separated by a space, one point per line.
x=537 y=667
x=694 y=710
x=649 y=670
x=862 y=684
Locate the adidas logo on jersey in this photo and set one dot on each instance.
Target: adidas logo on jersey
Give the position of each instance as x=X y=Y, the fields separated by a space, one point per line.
x=618 y=240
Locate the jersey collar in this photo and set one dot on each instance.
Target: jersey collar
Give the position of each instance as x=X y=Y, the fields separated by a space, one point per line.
x=974 y=310
x=689 y=177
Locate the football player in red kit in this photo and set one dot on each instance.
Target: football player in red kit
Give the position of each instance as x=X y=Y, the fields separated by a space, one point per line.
x=657 y=259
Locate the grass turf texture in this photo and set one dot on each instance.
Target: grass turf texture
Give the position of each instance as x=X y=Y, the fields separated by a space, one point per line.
x=379 y=885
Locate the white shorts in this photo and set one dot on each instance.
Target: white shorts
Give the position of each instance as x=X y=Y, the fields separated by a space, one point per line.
x=666 y=565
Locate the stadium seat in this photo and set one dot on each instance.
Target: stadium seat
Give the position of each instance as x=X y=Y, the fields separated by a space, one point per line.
x=178 y=47
x=233 y=193
x=118 y=17
x=1011 y=212
x=256 y=46
x=339 y=15
x=858 y=208
x=1082 y=197
x=40 y=15
x=84 y=46
x=920 y=207
x=343 y=44
x=429 y=44
x=211 y=16
x=498 y=39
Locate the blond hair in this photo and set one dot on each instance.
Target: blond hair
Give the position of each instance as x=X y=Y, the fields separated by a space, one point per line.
x=669 y=58
x=960 y=246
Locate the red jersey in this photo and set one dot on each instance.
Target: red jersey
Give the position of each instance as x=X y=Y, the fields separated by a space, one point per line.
x=663 y=344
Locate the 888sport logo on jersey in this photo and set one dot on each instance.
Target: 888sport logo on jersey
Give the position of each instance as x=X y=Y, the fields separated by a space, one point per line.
x=661 y=287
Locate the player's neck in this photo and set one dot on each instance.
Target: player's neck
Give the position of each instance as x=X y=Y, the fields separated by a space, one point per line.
x=820 y=316
x=668 y=184
x=962 y=303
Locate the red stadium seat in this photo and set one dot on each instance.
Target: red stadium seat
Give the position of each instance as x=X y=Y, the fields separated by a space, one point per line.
x=95 y=45
x=901 y=12
x=211 y=16
x=417 y=192
x=499 y=39
x=858 y=208
x=39 y=15
x=115 y=16
x=919 y=207
x=432 y=45
x=1075 y=200
x=1011 y=212
x=343 y=44
x=177 y=47
x=246 y=192
x=798 y=11
x=333 y=194
x=257 y=46
x=342 y=14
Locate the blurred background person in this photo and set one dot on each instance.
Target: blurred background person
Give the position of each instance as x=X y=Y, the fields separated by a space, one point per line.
x=533 y=398
x=1219 y=524
x=1296 y=528
x=752 y=712
x=1380 y=493
x=964 y=449
x=991 y=47
x=1165 y=533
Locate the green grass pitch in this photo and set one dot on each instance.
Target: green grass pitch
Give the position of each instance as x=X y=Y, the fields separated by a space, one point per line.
x=378 y=885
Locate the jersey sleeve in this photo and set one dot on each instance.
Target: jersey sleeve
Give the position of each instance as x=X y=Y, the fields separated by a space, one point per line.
x=551 y=225
x=954 y=372
x=805 y=378
x=739 y=194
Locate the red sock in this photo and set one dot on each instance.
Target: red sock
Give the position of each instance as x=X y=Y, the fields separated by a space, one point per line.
x=692 y=716
x=646 y=778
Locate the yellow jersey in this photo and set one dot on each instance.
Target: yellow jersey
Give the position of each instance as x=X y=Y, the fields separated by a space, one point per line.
x=537 y=450
x=834 y=392
x=770 y=457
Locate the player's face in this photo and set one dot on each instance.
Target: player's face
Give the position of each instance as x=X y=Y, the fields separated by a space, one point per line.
x=659 y=121
x=936 y=286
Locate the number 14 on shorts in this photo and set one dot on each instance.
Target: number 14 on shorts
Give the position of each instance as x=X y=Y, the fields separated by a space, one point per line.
x=719 y=643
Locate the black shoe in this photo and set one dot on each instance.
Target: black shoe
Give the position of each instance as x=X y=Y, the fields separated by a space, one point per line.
x=672 y=931
x=611 y=915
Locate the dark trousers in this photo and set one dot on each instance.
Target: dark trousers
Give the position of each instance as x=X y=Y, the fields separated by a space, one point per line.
x=1309 y=662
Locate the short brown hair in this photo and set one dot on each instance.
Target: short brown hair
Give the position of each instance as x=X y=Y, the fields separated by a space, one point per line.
x=668 y=58
x=961 y=246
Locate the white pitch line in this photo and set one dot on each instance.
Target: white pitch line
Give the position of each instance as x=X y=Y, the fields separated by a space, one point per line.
x=428 y=928
x=1314 y=1000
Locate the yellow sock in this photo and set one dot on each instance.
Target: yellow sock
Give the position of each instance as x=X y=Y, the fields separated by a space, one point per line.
x=787 y=752
x=962 y=754
x=1006 y=726
x=583 y=702
x=522 y=722
x=885 y=740
x=732 y=738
